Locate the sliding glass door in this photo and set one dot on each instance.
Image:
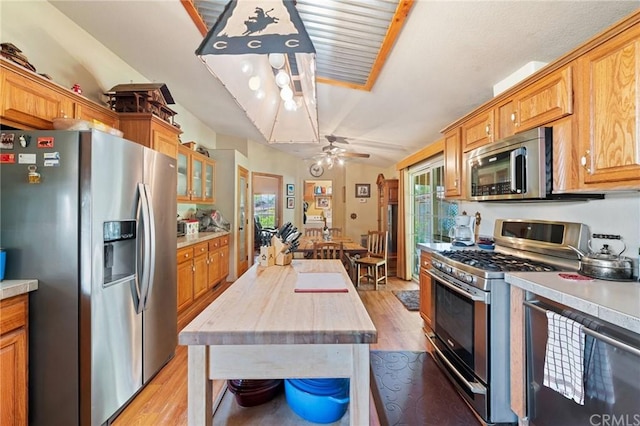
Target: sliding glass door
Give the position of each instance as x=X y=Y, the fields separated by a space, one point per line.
x=430 y=216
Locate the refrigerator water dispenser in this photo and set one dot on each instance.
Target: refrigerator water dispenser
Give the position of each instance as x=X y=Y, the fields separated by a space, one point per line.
x=119 y=254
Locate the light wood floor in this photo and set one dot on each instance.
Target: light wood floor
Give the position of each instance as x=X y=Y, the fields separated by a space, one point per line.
x=164 y=400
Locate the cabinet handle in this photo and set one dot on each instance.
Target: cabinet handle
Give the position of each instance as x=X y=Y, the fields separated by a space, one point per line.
x=583 y=161
x=207 y=261
x=193 y=268
x=455 y=183
x=513 y=118
x=186 y=255
x=487 y=129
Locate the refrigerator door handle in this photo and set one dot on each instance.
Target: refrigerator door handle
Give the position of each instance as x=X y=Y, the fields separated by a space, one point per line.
x=150 y=232
x=146 y=261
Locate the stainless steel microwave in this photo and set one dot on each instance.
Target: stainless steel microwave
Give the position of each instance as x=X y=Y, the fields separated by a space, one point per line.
x=518 y=167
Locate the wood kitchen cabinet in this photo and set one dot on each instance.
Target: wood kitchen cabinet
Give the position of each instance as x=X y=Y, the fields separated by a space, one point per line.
x=150 y=131
x=30 y=101
x=609 y=87
x=504 y=120
x=426 y=297
x=13 y=360
x=478 y=131
x=196 y=176
x=218 y=260
x=185 y=277
x=201 y=267
x=452 y=164
x=544 y=101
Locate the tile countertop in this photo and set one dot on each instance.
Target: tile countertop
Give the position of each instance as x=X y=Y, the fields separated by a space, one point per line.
x=10 y=288
x=198 y=238
x=617 y=302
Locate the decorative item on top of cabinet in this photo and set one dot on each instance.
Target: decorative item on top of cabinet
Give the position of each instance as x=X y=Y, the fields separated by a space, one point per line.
x=426 y=298
x=144 y=98
x=608 y=94
x=13 y=360
x=196 y=176
x=452 y=164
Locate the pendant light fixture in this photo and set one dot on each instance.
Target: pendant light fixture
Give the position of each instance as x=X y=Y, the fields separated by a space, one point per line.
x=262 y=54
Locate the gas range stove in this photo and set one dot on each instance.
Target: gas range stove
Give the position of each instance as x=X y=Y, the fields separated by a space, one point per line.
x=521 y=245
x=478 y=267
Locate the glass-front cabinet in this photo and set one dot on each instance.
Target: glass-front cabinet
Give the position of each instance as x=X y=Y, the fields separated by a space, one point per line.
x=196 y=176
x=209 y=179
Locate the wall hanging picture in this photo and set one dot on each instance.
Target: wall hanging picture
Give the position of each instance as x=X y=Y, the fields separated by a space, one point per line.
x=363 y=190
x=322 y=202
x=291 y=189
x=291 y=202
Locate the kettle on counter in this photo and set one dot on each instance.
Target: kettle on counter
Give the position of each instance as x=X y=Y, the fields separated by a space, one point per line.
x=605 y=264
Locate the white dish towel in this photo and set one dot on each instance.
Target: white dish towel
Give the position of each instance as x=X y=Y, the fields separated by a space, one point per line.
x=564 y=357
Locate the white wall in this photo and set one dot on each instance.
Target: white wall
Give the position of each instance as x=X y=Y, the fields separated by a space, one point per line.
x=616 y=214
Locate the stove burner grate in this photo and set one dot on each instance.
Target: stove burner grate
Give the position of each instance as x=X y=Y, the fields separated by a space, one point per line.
x=496 y=262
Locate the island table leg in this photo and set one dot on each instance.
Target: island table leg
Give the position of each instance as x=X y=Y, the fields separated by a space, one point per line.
x=359 y=386
x=199 y=391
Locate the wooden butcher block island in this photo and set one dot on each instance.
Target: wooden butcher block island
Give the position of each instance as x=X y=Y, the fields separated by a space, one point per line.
x=262 y=328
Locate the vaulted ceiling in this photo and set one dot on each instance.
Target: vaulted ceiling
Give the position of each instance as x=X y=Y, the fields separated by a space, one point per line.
x=444 y=62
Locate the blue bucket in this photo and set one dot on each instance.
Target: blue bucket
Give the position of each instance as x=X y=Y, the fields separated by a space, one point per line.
x=3 y=263
x=318 y=400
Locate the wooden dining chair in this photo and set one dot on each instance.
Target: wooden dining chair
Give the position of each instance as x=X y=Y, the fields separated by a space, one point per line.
x=313 y=232
x=373 y=266
x=335 y=232
x=327 y=250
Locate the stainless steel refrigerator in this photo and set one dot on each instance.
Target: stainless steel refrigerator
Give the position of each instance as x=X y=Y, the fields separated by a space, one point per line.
x=92 y=218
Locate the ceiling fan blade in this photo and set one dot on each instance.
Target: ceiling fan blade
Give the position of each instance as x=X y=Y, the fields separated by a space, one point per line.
x=354 y=155
x=336 y=139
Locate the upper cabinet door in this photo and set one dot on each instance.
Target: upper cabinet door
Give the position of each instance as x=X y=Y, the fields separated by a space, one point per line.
x=609 y=90
x=197 y=178
x=452 y=164
x=209 y=181
x=478 y=131
x=547 y=100
x=184 y=172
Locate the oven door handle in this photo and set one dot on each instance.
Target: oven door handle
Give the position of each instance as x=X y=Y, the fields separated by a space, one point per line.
x=462 y=292
x=474 y=387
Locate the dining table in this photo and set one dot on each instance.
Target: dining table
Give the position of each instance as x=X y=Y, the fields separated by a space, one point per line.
x=302 y=320
x=349 y=247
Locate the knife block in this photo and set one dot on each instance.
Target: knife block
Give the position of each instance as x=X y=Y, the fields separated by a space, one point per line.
x=267 y=256
x=280 y=247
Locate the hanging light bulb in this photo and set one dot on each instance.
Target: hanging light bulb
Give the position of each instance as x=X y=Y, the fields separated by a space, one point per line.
x=340 y=161
x=254 y=83
x=286 y=93
x=290 y=105
x=282 y=79
x=276 y=60
x=260 y=94
x=319 y=162
x=246 y=67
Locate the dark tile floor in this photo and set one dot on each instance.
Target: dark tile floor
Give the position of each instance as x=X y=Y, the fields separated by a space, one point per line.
x=409 y=389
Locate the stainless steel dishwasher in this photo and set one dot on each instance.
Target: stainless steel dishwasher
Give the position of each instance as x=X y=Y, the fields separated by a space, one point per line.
x=618 y=405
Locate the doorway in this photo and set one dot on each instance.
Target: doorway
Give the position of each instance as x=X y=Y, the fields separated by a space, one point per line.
x=267 y=200
x=318 y=204
x=243 y=221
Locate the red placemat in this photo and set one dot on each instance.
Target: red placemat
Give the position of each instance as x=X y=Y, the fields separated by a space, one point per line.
x=574 y=277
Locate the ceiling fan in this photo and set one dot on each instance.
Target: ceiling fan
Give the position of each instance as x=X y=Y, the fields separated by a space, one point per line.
x=332 y=154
